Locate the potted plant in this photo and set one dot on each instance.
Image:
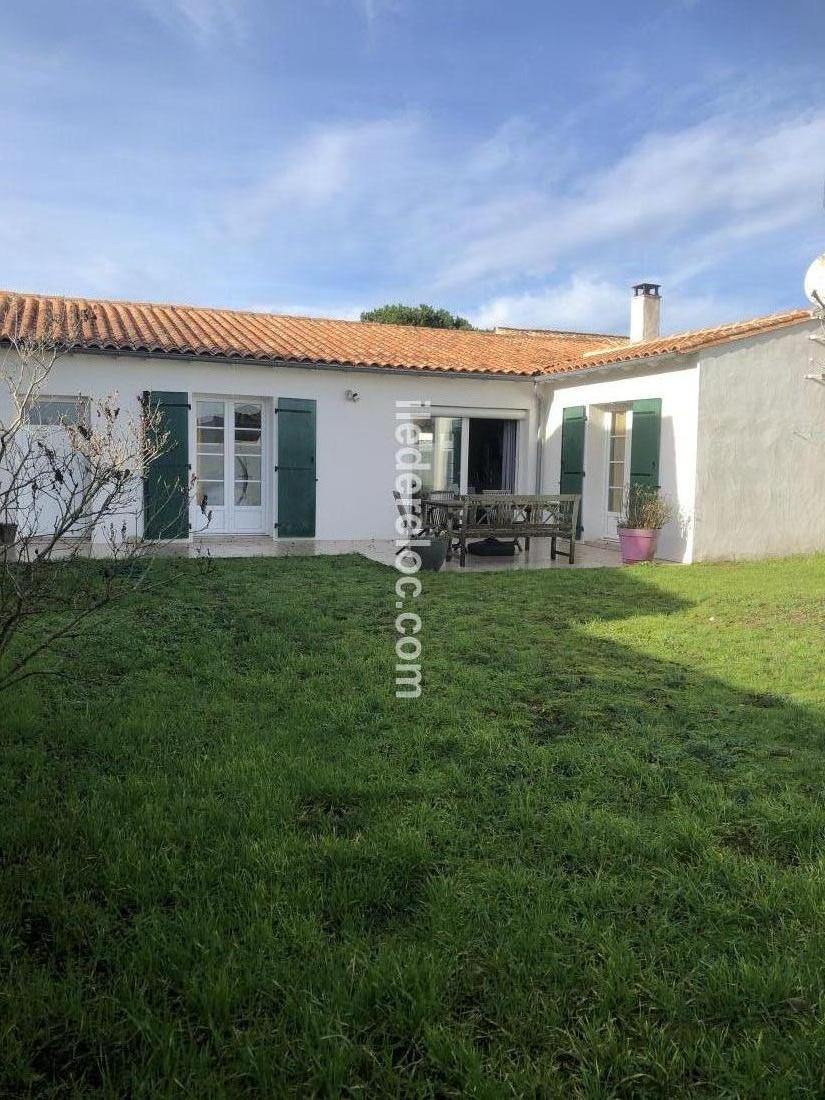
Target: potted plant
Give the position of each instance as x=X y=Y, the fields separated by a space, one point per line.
x=434 y=555
x=644 y=514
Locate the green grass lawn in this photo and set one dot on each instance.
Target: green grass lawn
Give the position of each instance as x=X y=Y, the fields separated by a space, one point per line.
x=588 y=861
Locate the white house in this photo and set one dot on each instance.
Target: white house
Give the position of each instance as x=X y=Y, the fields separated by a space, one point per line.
x=288 y=424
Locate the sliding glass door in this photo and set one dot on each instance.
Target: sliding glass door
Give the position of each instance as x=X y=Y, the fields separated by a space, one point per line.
x=491 y=455
x=440 y=445
x=464 y=454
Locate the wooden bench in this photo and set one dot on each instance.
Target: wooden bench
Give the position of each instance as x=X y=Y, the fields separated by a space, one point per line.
x=512 y=516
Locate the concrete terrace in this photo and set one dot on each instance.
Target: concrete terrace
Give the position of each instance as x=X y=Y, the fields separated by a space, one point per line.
x=588 y=555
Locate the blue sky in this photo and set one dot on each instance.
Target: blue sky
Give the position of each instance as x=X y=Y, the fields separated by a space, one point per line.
x=518 y=161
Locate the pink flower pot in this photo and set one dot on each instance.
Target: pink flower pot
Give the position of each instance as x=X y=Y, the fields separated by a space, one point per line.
x=637 y=544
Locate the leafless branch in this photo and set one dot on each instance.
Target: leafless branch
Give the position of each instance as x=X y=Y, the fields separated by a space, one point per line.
x=63 y=482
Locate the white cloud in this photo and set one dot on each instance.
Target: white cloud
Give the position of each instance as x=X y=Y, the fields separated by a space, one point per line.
x=530 y=229
x=585 y=303
x=333 y=166
x=335 y=309
x=206 y=21
x=720 y=176
x=524 y=225
x=373 y=9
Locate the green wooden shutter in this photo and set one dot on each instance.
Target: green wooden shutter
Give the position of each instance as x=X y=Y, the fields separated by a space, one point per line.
x=296 y=468
x=166 y=480
x=571 y=478
x=645 y=438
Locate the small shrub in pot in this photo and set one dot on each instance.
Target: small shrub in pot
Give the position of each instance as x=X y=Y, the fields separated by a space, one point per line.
x=645 y=511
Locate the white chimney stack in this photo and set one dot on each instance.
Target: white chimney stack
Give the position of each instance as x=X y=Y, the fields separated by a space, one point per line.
x=645 y=312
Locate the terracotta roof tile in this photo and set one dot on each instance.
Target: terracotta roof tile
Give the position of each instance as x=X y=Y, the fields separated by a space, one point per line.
x=679 y=343
x=265 y=337
x=236 y=334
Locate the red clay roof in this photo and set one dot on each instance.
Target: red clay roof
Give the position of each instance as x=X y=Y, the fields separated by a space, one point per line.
x=680 y=342
x=152 y=329
x=237 y=334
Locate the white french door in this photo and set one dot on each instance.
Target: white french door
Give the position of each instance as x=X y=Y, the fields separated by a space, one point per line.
x=618 y=467
x=229 y=464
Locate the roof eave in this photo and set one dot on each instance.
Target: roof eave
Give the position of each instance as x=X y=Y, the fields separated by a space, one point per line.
x=306 y=364
x=621 y=364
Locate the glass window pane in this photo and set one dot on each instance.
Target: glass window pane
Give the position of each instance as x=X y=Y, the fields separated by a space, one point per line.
x=617 y=448
x=247 y=467
x=247 y=414
x=210 y=467
x=440 y=446
x=51 y=410
x=246 y=441
x=213 y=436
x=248 y=493
x=210 y=414
x=247 y=420
x=213 y=491
x=617 y=463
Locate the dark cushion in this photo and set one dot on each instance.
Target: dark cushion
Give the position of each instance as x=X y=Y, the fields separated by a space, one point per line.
x=492 y=548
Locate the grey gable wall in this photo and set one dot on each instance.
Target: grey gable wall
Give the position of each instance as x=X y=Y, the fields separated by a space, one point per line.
x=760 y=488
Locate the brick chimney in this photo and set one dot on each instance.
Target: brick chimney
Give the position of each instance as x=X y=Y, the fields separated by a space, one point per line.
x=645 y=312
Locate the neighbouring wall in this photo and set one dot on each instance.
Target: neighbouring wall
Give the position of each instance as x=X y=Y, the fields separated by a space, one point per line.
x=761 y=453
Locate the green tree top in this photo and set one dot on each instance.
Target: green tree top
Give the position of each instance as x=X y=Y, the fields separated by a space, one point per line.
x=423 y=315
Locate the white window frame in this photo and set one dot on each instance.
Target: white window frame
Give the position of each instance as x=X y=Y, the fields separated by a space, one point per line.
x=609 y=410
x=78 y=401
x=267 y=471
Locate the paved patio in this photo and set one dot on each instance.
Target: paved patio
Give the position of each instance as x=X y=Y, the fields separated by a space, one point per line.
x=588 y=555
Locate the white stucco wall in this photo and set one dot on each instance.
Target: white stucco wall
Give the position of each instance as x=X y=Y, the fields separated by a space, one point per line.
x=742 y=446
x=761 y=448
x=355 y=440
x=678 y=388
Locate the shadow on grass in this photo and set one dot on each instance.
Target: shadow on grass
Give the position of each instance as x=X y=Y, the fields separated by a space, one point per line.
x=574 y=866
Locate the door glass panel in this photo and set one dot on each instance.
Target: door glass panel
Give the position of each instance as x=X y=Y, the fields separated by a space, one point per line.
x=616 y=469
x=210 y=493
x=247 y=469
x=210 y=414
x=210 y=453
x=247 y=442
x=440 y=446
x=248 y=494
x=210 y=440
x=248 y=419
x=210 y=467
